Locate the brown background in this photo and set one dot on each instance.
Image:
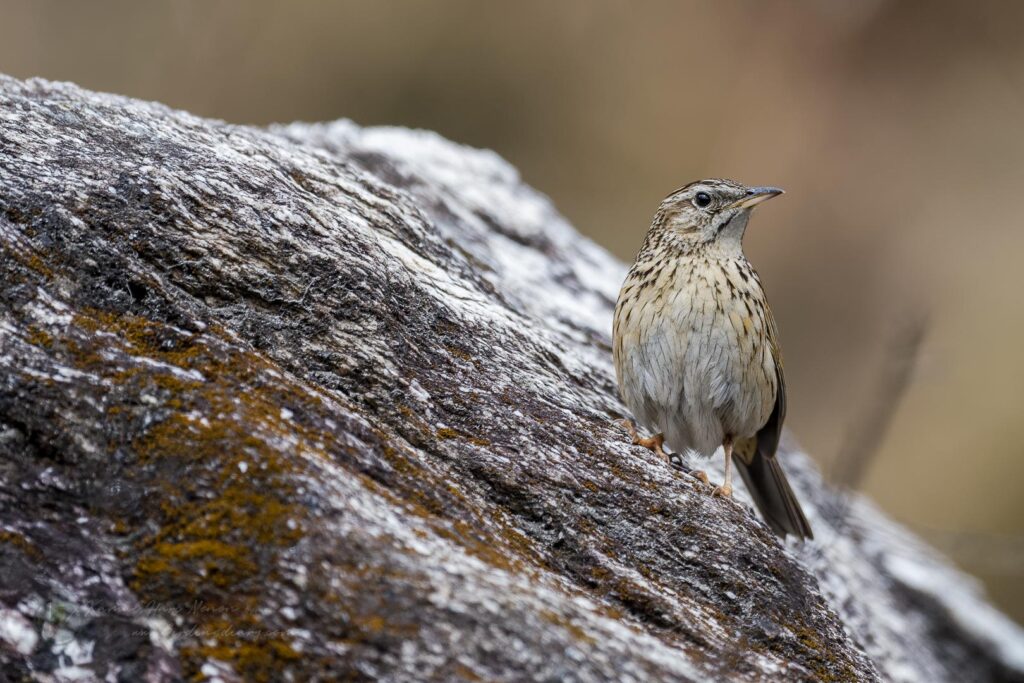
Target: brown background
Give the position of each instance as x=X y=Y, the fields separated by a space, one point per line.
x=895 y=127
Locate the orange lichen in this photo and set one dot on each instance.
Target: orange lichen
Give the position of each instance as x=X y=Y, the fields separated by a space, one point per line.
x=23 y=544
x=225 y=492
x=445 y=433
x=227 y=496
x=37 y=336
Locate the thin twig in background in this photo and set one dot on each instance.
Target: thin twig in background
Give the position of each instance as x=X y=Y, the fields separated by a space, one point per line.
x=863 y=440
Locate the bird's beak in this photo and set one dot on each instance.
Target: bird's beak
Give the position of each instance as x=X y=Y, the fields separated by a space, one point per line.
x=756 y=195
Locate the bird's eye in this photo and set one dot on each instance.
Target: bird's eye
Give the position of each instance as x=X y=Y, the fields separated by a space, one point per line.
x=701 y=199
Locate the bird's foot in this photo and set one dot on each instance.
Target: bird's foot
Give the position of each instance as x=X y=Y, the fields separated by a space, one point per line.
x=723 y=491
x=654 y=443
x=676 y=461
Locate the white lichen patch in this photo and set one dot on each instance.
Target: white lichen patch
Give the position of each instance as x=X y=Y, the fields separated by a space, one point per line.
x=17 y=632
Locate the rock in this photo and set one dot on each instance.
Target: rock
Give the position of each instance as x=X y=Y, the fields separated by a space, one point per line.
x=323 y=402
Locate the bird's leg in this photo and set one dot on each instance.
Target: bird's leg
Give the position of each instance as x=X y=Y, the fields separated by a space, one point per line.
x=725 y=489
x=656 y=443
x=652 y=442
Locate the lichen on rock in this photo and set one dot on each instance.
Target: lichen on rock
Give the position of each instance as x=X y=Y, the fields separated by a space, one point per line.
x=323 y=402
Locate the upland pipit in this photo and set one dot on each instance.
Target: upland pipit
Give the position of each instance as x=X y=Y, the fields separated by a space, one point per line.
x=696 y=349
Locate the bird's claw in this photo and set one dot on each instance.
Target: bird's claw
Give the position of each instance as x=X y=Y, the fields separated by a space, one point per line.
x=656 y=443
x=676 y=461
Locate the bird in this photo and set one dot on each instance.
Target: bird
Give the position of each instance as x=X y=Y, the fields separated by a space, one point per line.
x=696 y=350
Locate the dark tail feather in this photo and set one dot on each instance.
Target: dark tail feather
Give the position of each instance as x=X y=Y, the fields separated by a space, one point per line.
x=771 y=493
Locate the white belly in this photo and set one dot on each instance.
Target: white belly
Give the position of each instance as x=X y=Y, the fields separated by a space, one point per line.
x=694 y=372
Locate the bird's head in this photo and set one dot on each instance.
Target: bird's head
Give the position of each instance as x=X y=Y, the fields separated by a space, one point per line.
x=711 y=212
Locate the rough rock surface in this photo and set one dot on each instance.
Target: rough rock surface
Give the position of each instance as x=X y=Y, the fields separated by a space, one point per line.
x=324 y=402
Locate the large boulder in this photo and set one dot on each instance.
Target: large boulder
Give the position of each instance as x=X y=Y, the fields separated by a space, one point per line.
x=323 y=402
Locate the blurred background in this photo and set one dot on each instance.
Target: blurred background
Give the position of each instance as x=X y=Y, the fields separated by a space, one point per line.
x=897 y=129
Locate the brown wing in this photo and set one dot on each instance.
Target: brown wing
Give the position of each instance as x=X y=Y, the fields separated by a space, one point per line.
x=768 y=436
x=760 y=469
